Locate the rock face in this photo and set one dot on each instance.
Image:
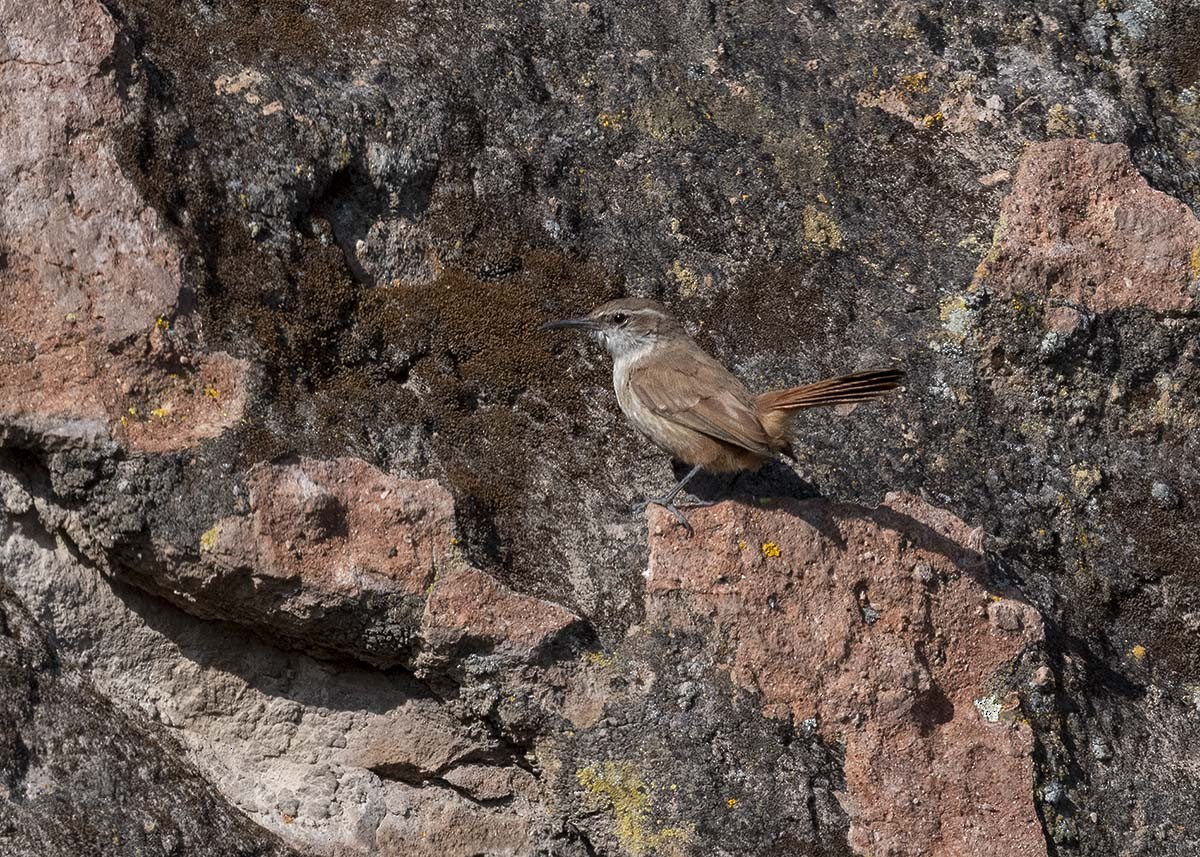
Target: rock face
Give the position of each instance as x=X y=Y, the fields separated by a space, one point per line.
x=80 y=777
x=90 y=272
x=1083 y=230
x=320 y=538
x=880 y=630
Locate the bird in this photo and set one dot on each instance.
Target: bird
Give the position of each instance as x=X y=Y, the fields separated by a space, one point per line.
x=693 y=408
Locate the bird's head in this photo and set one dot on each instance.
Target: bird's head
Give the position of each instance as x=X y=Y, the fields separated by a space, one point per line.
x=625 y=326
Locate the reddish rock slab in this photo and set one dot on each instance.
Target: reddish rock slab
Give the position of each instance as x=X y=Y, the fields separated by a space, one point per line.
x=338 y=554
x=89 y=273
x=467 y=605
x=1082 y=226
x=877 y=628
x=338 y=527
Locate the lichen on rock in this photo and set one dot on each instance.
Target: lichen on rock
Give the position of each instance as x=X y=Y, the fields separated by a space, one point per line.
x=328 y=539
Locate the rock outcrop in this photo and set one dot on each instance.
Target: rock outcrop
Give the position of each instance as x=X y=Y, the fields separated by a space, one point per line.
x=882 y=631
x=1083 y=232
x=322 y=546
x=336 y=554
x=80 y=776
x=90 y=274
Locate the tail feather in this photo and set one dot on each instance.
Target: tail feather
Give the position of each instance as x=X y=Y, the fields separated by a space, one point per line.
x=845 y=389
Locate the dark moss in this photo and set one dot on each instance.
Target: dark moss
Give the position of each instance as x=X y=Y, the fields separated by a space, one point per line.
x=294 y=30
x=343 y=361
x=787 y=302
x=1180 y=41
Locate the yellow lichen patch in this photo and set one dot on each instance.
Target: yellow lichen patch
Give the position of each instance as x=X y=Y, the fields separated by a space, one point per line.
x=689 y=280
x=1194 y=262
x=820 y=230
x=160 y=413
x=957 y=317
x=621 y=787
x=993 y=253
x=741 y=544
x=916 y=83
x=974 y=244
x=730 y=803
x=212 y=392
x=1138 y=651
x=598 y=659
x=933 y=120
x=1085 y=478
x=208 y=540
x=770 y=549
x=1059 y=122
x=610 y=120
x=161 y=323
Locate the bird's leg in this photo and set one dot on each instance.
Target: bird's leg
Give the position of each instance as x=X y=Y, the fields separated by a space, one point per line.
x=667 y=501
x=674 y=492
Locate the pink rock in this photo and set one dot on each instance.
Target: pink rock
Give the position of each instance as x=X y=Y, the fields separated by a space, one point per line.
x=782 y=592
x=1082 y=225
x=89 y=268
x=468 y=604
x=341 y=555
x=340 y=528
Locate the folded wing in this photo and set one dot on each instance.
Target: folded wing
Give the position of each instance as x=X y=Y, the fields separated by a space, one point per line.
x=690 y=388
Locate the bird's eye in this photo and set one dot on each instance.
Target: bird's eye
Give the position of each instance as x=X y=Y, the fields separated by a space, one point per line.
x=619 y=318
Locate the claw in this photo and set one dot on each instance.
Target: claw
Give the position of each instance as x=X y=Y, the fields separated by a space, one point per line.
x=667 y=501
x=670 y=507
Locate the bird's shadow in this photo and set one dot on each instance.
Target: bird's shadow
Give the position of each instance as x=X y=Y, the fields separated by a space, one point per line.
x=777 y=482
x=773 y=481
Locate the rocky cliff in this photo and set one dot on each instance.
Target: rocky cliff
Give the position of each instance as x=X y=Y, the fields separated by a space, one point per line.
x=311 y=543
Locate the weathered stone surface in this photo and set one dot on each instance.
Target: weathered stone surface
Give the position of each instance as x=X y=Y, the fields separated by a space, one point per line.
x=1082 y=229
x=336 y=759
x=90 y=275
x=79 y=776
x=243 y=244
x=322 y=539
x=668 y=756
x=94 y=248
x=882 y=629
x=466 y=605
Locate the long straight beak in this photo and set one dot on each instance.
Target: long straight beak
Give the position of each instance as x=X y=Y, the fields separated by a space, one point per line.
x=570 y=323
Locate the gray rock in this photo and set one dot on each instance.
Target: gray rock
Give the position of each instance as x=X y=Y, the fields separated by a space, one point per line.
x=80 y=776
x=374 y=205
x=1163 y=495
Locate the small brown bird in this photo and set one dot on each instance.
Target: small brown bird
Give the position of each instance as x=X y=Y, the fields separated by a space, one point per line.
x=694 y=408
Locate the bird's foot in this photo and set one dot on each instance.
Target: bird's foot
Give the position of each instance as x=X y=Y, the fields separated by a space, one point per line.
x=669 y=505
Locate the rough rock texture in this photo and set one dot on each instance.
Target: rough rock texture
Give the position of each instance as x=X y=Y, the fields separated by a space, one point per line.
x=882 y=630
x=338 y=758
x=79 y=777
x=321 y=540
x=88 y=269
x=1082 y=229
x=288 y=469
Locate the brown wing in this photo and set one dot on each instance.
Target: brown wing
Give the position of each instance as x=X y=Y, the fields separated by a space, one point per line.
x=687 y=386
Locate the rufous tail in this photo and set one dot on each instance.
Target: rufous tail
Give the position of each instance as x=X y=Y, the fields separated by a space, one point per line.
x=775 y=407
